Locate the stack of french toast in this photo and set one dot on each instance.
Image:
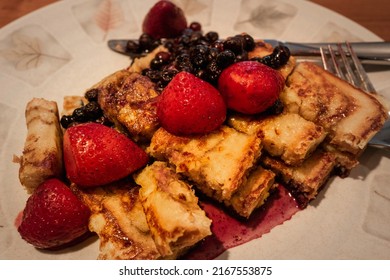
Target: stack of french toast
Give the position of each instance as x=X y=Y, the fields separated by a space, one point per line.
x=324 y=127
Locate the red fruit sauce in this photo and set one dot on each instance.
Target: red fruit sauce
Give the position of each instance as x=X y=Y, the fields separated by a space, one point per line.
x=229 y=231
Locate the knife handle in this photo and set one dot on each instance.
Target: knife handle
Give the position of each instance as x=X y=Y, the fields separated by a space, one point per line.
x=376 y=51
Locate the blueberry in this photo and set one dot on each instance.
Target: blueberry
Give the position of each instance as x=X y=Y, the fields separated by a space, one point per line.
x=212 y=36
x=92 y=94
x=225 y=58
x=235 y=44
x=79 y=114
x=66 y=121
x=249 y=42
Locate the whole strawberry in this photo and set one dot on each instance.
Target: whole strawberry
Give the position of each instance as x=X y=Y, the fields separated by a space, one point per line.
x=53 y=216
x=189 y=105
x=96 y=155
x=250 y=87
x=164 y=20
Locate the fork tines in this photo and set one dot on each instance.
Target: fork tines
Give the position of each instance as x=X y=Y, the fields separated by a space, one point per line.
x=341 y=60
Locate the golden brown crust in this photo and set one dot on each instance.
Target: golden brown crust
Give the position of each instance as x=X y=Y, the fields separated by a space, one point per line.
x=42 y=153
x=119 y=220
x=288 y=135
x=253 y=193
x=221 y=164
x=217 y=162
x=171 y=207
x=306 y=179
x=350 y=116
x=128 y=100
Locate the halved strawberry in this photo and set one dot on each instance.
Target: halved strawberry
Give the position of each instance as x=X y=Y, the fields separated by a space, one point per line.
x=96 y=155
x=53 y=216
x=250 y=87
x=189 y=105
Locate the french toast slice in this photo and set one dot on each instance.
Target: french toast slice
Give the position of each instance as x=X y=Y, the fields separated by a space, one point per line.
x=345 y=161
x=174 y=217
x=287 y=135
x=305 y=180
x=221 y=164
x=253 y=193
x=42 y=152
x=217 y=162
x=119 y=220
x=350 y=116
x=128 y=100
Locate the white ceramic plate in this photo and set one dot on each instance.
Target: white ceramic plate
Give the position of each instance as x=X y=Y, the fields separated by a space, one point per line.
x=61 y=50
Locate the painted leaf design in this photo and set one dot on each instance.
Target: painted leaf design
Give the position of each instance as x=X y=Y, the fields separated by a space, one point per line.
x=25 y=54
x=264 y=16
x=109 y=16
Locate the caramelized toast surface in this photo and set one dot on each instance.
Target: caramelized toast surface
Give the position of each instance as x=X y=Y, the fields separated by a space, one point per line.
x=174 y=217
x=307 y=179
x=42 y=152
x=128 y=100
x=350 y=116
x=120 y=222
x=217 y=162
x=287 y=135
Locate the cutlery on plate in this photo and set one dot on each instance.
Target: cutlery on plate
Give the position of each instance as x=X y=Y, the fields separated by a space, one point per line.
x=368 y=52
x=343 y=62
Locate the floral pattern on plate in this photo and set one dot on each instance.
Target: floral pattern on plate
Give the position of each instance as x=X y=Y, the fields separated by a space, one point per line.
x=201 y=10
x=261 y=17
x=103 y=19
x=32 y=54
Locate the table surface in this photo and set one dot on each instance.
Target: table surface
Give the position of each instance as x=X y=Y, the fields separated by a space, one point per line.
x=373 y=14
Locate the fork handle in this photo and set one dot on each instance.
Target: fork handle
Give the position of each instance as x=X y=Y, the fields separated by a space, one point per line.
x=369 y=52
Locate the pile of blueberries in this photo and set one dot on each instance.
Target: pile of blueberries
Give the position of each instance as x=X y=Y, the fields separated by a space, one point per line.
x=204 y=55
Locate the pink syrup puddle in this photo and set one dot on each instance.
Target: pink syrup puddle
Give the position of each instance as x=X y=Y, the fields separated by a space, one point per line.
x=229 y=231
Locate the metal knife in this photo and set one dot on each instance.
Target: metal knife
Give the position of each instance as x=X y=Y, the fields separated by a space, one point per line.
x=376 y=52
x=369 y=52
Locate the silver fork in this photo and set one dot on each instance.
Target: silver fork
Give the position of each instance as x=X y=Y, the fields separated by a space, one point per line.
x=343 y=62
